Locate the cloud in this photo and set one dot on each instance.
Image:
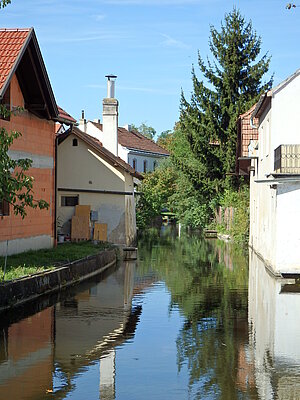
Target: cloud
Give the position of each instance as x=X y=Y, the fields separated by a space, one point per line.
x=99 y=17
x=86 y=38
x=171 y=42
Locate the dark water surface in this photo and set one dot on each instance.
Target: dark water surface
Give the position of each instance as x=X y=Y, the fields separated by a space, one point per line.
x=189 y=320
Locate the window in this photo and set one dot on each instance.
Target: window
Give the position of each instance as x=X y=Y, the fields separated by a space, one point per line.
x=75 y=142
x=134 y=163
x=5 y=102
x=145 y=165
x=4 y=207
x=69 y=201
x=154 y=165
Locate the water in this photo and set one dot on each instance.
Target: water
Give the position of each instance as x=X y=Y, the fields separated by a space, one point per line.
x=189 y=320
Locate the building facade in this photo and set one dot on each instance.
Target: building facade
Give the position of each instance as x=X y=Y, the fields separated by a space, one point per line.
x=24 y=83
x=275 y=178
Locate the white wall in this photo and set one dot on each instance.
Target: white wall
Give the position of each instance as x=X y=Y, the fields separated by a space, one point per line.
x=80 y=168
x=275 y=210
x=141 y=157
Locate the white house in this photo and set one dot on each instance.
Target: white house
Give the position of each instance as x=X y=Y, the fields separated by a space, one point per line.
x=275 y=178
x=140 y=152
x=89 y=174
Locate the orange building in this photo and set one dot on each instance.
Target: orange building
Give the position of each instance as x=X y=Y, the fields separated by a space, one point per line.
x=24 y=83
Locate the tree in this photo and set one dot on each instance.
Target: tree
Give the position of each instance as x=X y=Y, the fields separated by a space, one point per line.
x=4 y=3
x=145 y=130
x=16 y=187
x=165 y=139
x=155 y=191
x=231 y=83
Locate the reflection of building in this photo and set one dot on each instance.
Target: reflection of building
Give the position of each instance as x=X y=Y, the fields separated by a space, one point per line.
x=27 y=356
x=50 y=350
x=89 y=327
x=275 y=332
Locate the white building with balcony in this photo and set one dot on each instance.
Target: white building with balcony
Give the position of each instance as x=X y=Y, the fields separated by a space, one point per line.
x=275 y=178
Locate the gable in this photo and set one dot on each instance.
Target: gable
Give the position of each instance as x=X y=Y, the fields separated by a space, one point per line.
x=20 y=54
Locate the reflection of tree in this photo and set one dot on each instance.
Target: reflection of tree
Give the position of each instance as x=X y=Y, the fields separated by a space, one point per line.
x=211 y=294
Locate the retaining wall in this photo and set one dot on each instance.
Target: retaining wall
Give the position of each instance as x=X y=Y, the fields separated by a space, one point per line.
x=19 y=291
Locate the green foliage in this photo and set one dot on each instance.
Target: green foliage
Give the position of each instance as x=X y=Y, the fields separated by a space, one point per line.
x=31 y=262
x=15 y=186
x=235 y=84
x=145 y=130
x=203 y=146
x=155 y=191
x=239 y=201
x=4 y=3
x=165 y=139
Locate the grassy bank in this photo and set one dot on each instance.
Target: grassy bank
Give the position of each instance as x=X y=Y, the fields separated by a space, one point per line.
x=31 y=262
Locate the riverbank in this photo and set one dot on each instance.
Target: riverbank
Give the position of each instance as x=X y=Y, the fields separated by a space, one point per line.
x=32 y=262
x=19 y=291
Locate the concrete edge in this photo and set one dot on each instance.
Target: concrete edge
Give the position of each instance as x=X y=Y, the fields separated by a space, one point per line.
x=20 y=291
x=267 y=264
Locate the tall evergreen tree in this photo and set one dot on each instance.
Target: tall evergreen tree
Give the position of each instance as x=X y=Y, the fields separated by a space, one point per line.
x=231 y=83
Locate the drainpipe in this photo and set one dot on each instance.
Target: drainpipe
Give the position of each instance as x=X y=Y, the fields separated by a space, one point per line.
x=55 y=192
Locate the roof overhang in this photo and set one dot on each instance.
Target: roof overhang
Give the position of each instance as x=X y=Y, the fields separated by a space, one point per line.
x=33 y=79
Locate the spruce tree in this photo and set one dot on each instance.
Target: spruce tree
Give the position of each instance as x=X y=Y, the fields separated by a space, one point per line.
x=231 y=83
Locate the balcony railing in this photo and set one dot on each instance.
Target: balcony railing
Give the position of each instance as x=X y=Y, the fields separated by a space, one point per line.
x=287 y=159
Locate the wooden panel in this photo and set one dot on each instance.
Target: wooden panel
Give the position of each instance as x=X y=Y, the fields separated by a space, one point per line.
x=100 y=232
x=83 y=210
x=80 y=227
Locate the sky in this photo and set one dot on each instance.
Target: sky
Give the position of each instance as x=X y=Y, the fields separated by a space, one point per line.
x=150 y=45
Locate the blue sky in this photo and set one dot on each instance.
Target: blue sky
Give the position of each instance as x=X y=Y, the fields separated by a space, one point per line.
x=149 y=44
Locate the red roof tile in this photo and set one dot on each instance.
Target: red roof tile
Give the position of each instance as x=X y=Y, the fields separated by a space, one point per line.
x=11 y=44
x=64 y=116
x=135 y=140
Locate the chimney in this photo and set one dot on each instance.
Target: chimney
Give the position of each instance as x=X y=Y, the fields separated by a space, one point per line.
x=127 y=127
x=110 y=117
x=82 y=122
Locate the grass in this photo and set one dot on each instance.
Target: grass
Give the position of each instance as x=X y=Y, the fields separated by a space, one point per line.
x=31 y=262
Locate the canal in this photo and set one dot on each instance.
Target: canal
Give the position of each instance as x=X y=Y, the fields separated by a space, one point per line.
x=191 y=319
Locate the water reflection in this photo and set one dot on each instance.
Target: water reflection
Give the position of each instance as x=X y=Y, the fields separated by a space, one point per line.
x=43 y=354
x=175 y=326
x=208 y=281
x=274 y=306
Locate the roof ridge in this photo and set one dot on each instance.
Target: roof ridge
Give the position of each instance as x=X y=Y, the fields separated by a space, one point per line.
x=15 y=29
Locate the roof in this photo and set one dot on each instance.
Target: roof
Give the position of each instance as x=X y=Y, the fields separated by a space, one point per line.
x=136 y=141
x=64 y=117
x=20 y=54
x=97 y=145
x=266 y=97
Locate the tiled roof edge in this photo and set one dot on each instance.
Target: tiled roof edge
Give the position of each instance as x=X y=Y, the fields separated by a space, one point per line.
x=18 y=59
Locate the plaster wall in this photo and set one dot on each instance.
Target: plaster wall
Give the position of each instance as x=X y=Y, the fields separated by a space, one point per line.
x=287 y=245
x=285 y=114
x=274 y=210
x=141 y=157
x=81 y=167
x=37 y=142
x=91 y=172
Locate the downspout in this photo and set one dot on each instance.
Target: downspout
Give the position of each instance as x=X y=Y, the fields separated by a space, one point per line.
x=55 y=193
